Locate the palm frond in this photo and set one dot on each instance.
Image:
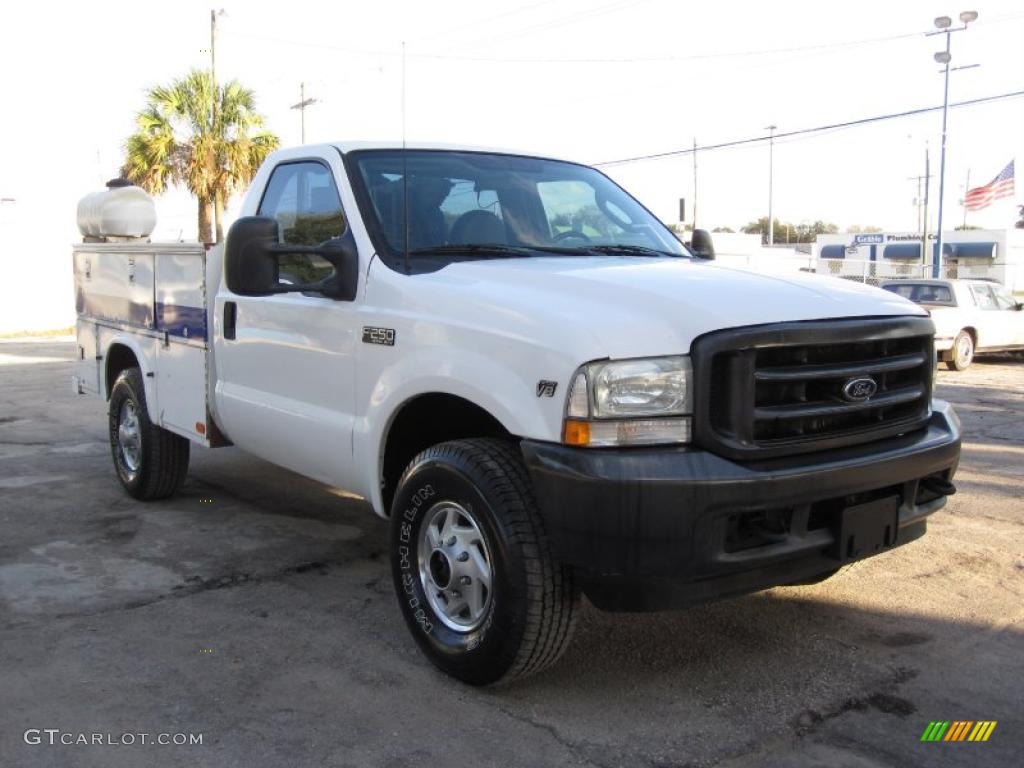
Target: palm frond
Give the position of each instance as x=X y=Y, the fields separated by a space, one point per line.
x=181 y=139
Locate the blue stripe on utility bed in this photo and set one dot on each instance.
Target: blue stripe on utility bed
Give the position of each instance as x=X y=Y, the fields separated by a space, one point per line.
x=181 y=320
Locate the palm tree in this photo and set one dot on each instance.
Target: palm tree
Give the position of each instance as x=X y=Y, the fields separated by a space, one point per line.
x=209 y=138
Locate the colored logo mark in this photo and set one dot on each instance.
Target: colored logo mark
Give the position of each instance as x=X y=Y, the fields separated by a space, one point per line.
x=958 y=730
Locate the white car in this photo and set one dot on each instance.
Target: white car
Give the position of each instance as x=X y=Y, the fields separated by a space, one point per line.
x=970 y=316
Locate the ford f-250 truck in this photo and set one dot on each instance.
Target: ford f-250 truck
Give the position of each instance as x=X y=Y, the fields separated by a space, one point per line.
x=527 y=373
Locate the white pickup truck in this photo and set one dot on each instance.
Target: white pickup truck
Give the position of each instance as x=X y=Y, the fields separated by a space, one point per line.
x=539 y=386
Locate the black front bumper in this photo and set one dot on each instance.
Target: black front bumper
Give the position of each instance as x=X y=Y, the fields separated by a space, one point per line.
x=662 y=527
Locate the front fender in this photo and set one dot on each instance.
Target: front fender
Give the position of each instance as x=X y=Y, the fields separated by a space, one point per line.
x=509 y=395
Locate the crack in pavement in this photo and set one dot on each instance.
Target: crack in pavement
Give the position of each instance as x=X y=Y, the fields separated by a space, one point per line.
x=881 y=699
x=810 y=721
x=578 y=749
x=194 y=585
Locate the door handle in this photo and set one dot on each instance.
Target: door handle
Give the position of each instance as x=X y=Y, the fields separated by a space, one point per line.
x=230 y=317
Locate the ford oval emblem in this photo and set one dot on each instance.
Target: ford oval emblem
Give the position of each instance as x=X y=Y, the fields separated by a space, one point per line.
x=860 y=389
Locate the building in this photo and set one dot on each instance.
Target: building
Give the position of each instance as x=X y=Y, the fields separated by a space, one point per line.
x=996 y=254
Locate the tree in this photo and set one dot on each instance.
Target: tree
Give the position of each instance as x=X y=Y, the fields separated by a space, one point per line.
x=965 y=227
x=723 y=229
x=786 y=232
x=182 y=139
x=856 y=229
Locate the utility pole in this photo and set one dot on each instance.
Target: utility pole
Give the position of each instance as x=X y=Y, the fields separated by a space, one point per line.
x=217 y=202
x=771 y=159
x=918 y=201
x=924 y=221
x=301 y=106
x=213 y=51
x=921 y=201
x=695 y=182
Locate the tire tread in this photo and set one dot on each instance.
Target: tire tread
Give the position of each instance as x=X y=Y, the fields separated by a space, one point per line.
x=552 y=598
x=165 y=455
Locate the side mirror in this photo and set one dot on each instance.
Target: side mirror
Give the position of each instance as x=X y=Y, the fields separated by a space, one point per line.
x=701 y=245
x=252 y=261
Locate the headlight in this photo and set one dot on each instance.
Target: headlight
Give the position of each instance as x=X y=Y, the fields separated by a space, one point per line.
x=630 y=402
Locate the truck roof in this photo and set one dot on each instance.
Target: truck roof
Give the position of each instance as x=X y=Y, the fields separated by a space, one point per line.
x=352 y=146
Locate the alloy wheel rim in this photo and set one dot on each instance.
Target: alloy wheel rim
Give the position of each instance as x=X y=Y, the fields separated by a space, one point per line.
x=455 y=566
x=129 y=438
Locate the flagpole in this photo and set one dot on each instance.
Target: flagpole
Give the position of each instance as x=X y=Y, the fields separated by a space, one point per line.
x=967 y=188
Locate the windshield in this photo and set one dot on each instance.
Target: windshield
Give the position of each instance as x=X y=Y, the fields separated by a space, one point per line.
x=473 y=205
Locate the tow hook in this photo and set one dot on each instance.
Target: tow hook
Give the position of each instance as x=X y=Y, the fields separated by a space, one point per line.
x=939 y=485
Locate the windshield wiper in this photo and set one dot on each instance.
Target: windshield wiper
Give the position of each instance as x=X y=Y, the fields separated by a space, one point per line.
x=472 y=249
x=637 y=250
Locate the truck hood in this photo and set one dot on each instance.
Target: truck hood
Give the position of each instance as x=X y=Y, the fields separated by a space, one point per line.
x=637 y=307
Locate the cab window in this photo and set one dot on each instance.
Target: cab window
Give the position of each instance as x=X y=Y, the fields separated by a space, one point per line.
x=304 y=200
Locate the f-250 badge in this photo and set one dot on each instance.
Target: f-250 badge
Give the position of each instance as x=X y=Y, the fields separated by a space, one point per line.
x=546 y=388
x=385 y=336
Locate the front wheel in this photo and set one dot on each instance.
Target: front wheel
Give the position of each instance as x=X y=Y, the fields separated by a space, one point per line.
x=962 y=354
x=473 y=572
x=151 y=462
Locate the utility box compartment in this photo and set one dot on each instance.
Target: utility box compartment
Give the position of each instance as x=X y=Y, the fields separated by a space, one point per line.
x=152 y=297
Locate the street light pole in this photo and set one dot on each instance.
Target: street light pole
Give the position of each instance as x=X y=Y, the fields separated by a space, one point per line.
x=771 y=161
x=937 y=256
x=943 y=26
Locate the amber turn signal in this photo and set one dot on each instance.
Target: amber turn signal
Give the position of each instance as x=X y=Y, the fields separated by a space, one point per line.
x=577 y=432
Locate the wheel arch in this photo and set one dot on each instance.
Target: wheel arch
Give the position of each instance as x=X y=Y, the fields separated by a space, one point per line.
x=122 y=352
x=424 y=420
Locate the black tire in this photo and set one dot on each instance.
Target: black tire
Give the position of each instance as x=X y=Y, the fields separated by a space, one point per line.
x=962 y=352
x=155 y=464
x=527 y=620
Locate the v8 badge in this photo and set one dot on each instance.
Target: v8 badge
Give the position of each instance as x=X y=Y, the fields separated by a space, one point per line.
x=546 y=388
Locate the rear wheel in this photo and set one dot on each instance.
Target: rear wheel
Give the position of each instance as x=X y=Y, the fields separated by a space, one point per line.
x=151 y=462
x=474 y=576
x=962 y=353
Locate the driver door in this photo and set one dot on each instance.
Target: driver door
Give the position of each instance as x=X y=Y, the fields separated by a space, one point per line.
x=996 y=327
x=1013 y=317
x=285 y=363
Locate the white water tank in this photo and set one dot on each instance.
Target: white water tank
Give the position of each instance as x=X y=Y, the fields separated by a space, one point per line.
x=120 y=210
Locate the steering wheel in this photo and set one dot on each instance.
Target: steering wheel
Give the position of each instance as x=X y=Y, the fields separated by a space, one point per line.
x=571 y=234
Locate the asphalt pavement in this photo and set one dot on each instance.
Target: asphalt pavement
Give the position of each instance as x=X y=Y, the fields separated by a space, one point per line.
x=255 y=611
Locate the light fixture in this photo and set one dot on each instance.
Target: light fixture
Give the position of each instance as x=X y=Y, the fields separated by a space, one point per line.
x=968 y=16
x=943 y=22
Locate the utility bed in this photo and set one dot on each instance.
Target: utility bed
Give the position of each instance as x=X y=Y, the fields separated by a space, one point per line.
x=152 y=299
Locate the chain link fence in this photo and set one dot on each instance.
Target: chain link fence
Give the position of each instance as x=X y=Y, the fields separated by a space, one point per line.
x=878 y=272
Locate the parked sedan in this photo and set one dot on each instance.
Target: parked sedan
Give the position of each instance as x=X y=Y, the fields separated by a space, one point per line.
x=971 y=316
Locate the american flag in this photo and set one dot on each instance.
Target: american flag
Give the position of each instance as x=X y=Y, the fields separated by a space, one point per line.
x=1001 y=186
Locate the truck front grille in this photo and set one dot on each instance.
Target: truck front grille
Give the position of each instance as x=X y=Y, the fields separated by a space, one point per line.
x=775 y=390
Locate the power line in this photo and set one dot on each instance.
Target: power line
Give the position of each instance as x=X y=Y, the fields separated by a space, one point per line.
x=805 y=131
x=486 y=20
x=575 y=17
x=822 y=47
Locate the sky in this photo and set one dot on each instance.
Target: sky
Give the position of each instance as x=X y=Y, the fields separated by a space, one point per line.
x=590 y=81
